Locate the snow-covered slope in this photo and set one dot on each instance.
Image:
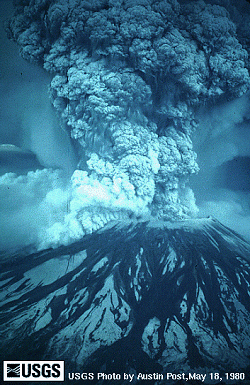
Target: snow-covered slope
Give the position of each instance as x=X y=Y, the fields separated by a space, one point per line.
x=139 y=297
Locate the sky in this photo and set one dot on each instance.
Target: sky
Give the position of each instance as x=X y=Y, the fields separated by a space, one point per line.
x=222 y=143
x=27 y=119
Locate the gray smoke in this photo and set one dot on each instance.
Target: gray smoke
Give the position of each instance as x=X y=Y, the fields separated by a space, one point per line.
x=133 y=83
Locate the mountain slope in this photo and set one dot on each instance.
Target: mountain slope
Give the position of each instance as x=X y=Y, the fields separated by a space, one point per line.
x=133 y=297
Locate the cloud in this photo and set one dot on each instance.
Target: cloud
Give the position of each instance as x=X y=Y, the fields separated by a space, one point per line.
x=44 y=209
x=25 y=208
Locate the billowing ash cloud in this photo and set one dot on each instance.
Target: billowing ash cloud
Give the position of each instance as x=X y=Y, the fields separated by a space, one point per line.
x=29 y=204
x=128 y=80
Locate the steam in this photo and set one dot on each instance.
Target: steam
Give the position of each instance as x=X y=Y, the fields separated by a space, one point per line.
x=135 y=85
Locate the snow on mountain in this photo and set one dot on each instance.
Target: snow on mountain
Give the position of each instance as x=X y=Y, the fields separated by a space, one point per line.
x=133 y=297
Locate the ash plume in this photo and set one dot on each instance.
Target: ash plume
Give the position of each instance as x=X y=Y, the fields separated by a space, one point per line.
x=128 y=80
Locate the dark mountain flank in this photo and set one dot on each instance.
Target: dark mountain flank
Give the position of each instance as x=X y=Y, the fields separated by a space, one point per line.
x=147 y=297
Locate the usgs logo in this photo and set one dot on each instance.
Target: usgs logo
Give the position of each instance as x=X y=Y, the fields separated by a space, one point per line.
x=33 y=370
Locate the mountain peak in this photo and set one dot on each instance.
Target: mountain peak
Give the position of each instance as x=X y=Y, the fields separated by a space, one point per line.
x=169 y=296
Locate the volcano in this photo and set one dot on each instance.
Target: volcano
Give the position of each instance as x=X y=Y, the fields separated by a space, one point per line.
x=135 y=297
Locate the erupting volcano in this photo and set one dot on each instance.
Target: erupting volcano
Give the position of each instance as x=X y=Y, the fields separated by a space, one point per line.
x=135 y=130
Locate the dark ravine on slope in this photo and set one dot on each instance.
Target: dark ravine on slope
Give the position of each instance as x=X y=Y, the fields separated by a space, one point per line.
x=134 y=297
